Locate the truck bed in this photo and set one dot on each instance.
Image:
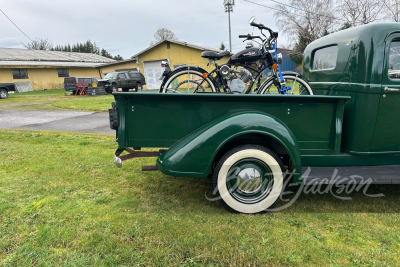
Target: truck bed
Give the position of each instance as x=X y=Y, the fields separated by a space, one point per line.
x=150 y=119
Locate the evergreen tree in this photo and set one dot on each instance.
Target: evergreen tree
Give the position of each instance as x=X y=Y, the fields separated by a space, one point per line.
x=86 y=47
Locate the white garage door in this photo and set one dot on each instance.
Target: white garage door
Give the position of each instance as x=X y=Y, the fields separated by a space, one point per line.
x=152 y=73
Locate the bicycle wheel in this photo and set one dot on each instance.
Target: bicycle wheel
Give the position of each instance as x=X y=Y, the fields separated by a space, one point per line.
x=188 y=81
x=297 y=84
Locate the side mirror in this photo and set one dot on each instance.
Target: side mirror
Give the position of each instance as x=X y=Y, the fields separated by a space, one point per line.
x=252 y=19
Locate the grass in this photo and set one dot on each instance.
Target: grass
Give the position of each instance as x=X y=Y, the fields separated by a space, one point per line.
x=56 y=99
x=86 y=103
x=64 y=203
x=44 y=93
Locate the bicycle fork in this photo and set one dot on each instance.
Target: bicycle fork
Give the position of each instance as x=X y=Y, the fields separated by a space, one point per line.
x=284 y=88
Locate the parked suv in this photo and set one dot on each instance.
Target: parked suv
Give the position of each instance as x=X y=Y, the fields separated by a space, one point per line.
x=70 y=82
x=125 y=80
x=5 y=88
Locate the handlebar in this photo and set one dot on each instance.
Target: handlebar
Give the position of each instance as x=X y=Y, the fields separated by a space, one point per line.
x=248 y=36
x=262 y=27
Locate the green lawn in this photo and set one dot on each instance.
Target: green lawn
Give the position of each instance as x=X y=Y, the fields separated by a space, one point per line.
x=44 y=93
x=56 y=99
x=64 y=203
x=86 y=103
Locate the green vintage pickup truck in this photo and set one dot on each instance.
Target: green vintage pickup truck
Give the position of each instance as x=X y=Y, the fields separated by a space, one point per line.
x=252 y=145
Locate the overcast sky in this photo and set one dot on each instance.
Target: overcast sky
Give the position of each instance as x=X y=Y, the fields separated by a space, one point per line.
x=127 y=27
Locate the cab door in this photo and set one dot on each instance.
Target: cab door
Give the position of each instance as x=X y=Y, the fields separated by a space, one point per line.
x=387 y=129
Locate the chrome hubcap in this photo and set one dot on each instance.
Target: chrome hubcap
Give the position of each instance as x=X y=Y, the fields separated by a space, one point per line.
x=249 y=180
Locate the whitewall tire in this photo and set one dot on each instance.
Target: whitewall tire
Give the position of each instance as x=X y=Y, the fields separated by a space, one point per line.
x=249 y=179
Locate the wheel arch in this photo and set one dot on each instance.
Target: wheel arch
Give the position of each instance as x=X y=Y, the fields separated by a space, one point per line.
x=195 y=155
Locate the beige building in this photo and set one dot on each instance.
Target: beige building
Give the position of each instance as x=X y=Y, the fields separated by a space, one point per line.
x=177 y=53
x=47 y=69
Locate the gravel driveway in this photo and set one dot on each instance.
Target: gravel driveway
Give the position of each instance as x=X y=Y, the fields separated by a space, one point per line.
x=58 y=120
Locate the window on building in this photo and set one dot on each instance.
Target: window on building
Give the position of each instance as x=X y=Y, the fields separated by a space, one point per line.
x=168 y=45
x=394 y=60
x=63 y=73
x=325 y=58
x=20 y=73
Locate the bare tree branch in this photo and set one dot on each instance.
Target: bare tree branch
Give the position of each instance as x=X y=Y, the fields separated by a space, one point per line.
x=392 y=10
x=163 y=34
x=39 y=44
x=359 y=12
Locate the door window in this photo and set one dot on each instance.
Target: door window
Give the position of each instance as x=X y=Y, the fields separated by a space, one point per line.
x=394 y=60
x=121 y=76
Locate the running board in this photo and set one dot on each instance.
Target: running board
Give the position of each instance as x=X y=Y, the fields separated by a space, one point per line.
x=351 y=174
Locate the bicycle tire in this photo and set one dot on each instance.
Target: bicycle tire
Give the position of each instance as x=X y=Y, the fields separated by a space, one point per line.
x=190 y=71
x=265 y=88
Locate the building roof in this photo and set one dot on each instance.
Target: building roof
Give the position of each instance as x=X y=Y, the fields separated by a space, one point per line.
x=49 y=64
x=118 y=62
x=10 y=56
x=199 y=47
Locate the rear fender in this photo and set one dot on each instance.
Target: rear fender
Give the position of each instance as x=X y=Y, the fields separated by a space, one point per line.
x=194 y=155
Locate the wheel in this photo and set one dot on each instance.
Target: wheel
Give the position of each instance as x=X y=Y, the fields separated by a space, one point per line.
x=138 y=87
x=298 y=86
x=249 y=179
x=187 y=81
x=3 y=93
x=114 y=88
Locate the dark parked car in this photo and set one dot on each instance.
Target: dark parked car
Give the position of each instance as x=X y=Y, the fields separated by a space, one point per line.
x=70 y=82
x=5 y=88
x=125 y=80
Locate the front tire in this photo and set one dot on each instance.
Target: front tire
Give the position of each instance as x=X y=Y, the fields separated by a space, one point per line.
x=298 y=85
x=138 y=87
x=249 y=179
x=3 y=94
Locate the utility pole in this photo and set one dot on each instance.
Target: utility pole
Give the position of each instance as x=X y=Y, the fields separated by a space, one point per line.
x=228 y=4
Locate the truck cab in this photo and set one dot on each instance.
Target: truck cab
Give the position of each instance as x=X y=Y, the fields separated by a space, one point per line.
x=364 y=63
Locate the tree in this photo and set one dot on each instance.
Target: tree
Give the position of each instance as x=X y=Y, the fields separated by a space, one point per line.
x=105 y=53
x=39 y=44
x=163 y=34
x=86 y=47
x=118 y=57
x=222 y=47
x=392 y=10
x=359 y=12
x=304 y=21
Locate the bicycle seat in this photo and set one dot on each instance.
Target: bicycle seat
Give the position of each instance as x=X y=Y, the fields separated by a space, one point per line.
x=214 y=55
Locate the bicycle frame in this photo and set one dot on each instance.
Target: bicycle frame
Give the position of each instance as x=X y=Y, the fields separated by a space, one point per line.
x=222 y=82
